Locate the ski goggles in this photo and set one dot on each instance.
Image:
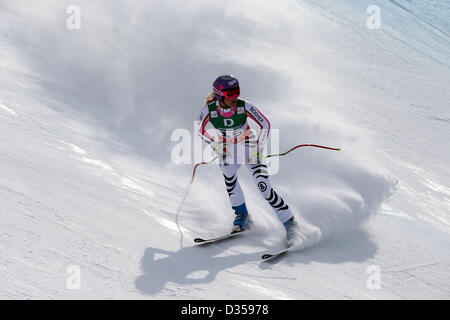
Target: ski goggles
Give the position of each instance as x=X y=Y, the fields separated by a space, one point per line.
x=232 y=93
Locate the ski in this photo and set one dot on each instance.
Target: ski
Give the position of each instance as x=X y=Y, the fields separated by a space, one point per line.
x=205 y=241
x=270 y=256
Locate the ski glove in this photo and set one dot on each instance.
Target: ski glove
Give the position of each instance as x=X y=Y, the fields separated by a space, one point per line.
x=219 y=149
x=255 y=154
x=255 y=157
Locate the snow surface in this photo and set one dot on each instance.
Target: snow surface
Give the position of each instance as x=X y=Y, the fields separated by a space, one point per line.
x=86 y=179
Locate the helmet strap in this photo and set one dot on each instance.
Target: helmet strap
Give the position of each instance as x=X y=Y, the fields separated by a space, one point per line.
x=222 y=104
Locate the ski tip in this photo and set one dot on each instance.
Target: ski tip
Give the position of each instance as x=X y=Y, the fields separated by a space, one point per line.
x=270 y=256
x=199 y=240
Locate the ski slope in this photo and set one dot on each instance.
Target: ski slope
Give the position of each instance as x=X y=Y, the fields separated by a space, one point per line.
x=93 y=208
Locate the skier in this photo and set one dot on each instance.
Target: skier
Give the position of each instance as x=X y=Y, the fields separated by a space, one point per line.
x=229 y=116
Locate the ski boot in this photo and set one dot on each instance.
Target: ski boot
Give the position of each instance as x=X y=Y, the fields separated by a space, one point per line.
x=292 y=231
x=242 y=219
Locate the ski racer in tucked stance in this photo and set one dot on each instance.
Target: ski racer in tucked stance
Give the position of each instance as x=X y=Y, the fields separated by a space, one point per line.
x=236 y=144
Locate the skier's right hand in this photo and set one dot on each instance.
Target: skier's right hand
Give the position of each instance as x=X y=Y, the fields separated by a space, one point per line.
x=219 y=149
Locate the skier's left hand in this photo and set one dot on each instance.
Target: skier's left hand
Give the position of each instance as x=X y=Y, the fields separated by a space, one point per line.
x=254 y=158
x=255 y=154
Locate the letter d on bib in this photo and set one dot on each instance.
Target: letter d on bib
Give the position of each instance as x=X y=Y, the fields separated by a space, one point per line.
x=228 y=122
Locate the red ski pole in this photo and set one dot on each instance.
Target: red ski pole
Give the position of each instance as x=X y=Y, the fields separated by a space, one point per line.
x=198 y=164
x=302 y=145
x=270 y=155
